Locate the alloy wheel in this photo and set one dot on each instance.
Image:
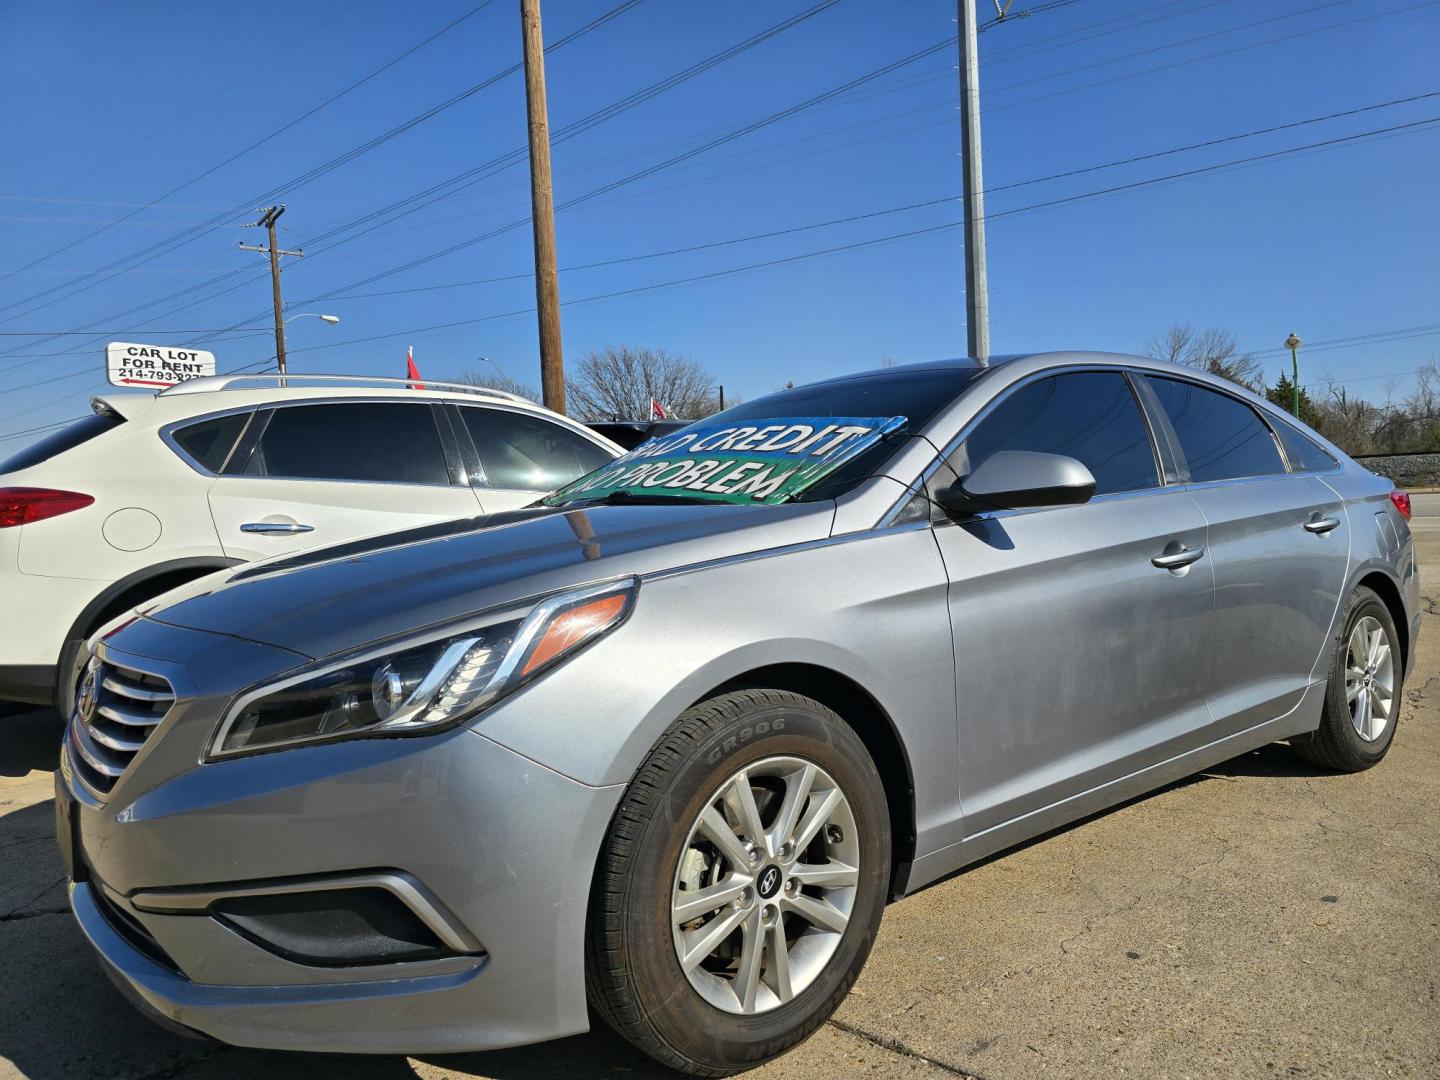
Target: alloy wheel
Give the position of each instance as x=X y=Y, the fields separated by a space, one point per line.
x=1369 y=678
x=765 y=885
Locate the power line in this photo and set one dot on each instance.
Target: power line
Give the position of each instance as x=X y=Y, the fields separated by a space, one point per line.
x=909 y=234
x=849 y=219
x=294 y=183
x=258 y=143
x=577 y=127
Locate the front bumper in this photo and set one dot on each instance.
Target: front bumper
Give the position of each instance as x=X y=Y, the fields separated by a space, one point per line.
x=504 y=845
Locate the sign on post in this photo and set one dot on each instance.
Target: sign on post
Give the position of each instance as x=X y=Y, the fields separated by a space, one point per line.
x=129 y=364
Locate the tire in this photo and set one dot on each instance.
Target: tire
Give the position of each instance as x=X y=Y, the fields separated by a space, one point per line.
x=1338 y=742
x=697 y=1022
x=67 y=676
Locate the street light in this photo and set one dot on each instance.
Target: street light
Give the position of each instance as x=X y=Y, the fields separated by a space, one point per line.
x=333 y=320
x=1293 y=344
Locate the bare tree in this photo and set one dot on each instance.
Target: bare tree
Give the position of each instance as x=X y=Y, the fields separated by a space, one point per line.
x=618 y=383
x=499 y=381
x=1213 y=349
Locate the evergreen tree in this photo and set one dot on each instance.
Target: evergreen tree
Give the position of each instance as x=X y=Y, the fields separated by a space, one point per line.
x=1283 y=394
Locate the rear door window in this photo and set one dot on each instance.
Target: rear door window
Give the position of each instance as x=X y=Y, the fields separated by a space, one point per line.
x=209 y=442
x=377 y=442
x=1222 y=437
x=528 y=453
x=56 y=443
x=1091 y=416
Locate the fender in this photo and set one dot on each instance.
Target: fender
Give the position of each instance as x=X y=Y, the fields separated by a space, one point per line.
x=118 y=588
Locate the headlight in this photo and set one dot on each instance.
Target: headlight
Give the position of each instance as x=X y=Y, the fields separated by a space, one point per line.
x=421 y=684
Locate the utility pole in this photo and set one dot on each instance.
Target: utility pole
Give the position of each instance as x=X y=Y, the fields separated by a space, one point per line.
x=542 y=211
x=1293 y=344
x=268 y=217
x=977 y=289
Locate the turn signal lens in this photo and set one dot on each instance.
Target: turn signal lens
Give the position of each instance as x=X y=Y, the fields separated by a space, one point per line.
x=22 y=505
x=1401 y=499
x=574 y=627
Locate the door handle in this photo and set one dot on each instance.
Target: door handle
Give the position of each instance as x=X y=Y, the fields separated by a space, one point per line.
x=1174 y=560
x=1321 y=526
x=275 y=527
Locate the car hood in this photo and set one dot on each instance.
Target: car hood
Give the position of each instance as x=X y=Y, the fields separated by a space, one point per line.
x=336 y=599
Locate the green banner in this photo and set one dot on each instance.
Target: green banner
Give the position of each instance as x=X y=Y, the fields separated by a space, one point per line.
x=763 y=461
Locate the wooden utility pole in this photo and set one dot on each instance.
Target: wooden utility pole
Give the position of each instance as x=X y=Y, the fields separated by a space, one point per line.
x=542 y=211
x=268 y=217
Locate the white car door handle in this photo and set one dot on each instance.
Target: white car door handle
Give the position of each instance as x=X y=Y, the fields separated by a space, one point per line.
x=1174 y=560
x=275 y=527
x=1322 y=525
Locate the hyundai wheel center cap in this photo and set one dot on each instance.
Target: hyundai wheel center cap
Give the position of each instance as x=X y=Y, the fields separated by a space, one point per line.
x=768 y=883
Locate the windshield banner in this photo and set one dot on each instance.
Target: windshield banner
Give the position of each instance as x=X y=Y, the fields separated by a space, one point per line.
x=765 y=461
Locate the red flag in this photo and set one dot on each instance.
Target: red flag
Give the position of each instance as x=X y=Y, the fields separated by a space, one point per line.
x=411 y=371
x=657 y=411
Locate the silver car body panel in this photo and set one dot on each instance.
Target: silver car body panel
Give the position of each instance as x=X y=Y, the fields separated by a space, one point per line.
x=1034 y=666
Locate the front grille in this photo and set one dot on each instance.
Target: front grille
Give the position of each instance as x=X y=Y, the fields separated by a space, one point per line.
x=116 y=709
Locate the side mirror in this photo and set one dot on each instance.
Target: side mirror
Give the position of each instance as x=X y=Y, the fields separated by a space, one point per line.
x=1011 y=479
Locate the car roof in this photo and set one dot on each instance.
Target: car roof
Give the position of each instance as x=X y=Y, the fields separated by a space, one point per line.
x=202 y=396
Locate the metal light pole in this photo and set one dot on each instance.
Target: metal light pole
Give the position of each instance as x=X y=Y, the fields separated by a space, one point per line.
x=977 y=289
x=1293 y=344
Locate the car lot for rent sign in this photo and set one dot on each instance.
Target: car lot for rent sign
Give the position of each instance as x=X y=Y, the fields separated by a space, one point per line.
x=764 y=461
x=129 y=364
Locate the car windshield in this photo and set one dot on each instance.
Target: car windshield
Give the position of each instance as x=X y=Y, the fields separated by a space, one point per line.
x=846 y=430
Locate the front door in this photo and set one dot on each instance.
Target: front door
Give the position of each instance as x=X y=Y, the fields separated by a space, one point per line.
x=321 y=474
x=1077 y=658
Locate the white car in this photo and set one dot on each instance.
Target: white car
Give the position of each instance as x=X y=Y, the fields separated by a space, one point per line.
x=153 y=491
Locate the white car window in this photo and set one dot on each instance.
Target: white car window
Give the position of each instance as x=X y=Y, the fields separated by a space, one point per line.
x=528 y=453
x=379 y=442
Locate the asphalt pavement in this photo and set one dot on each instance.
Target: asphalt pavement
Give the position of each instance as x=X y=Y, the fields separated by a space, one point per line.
x=1261 y=919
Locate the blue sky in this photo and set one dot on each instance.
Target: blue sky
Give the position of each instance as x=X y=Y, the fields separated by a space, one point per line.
x=113 y=106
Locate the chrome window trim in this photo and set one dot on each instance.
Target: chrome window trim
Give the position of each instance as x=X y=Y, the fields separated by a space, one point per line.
x=1004 y=393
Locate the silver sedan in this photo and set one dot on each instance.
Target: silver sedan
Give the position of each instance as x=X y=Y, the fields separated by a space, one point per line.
x=664 y=745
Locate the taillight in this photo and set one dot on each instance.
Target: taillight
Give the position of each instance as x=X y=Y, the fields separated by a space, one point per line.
x=22 y=505
x=1401 y=499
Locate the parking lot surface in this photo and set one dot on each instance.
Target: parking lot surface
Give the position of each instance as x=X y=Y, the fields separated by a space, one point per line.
x=1261 y=919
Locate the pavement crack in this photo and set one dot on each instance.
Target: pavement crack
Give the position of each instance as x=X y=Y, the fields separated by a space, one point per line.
x=175 y=1068
x=19 y=909
x=895 y=1046
x=16 y=916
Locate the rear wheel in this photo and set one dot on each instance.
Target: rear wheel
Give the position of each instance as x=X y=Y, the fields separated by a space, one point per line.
x=1362 y=698
x=741 y=885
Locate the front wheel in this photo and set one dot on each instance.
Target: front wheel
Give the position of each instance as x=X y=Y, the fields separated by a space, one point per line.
x=741 y=884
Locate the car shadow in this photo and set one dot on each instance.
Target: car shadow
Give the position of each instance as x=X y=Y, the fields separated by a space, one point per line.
x=1273 y=759
x=29 y=740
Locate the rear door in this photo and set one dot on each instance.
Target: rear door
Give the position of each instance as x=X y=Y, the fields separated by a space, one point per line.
x=1279 y=547
x=521 y=456
x=1077 y=659
x=313 y=474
